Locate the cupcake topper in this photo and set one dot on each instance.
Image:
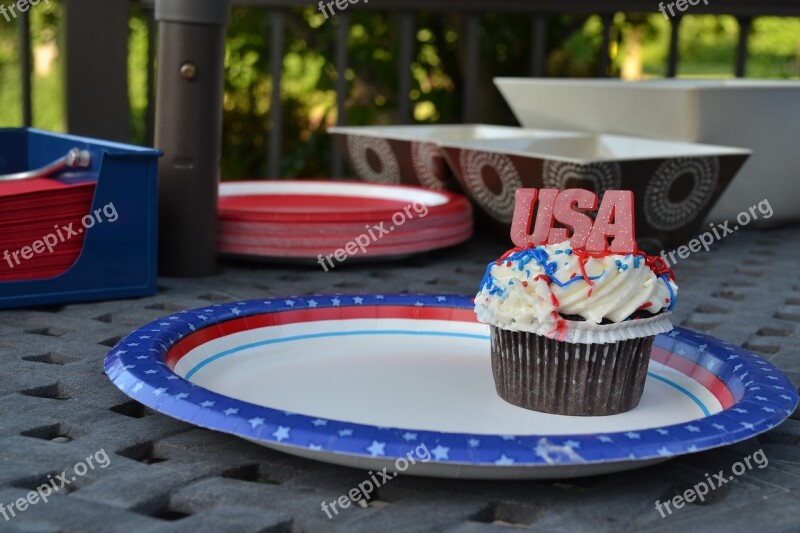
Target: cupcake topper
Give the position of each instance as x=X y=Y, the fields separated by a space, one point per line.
x=614 y=220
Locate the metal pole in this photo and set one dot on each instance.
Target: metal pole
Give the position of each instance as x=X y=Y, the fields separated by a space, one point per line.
x=189 y=132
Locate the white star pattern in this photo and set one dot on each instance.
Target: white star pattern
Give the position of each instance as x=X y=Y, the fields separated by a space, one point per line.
x=281 y=434
x=165 y=339
x=441 y=453
x=376 y=448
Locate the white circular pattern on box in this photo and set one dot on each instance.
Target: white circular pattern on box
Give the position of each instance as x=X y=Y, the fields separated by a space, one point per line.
x=604 y=176
x=359 y=146
x=427 y=161
x=666 y=215
x=499 y=205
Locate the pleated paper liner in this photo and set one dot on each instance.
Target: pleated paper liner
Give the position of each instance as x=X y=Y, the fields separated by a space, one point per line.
x=542 y=374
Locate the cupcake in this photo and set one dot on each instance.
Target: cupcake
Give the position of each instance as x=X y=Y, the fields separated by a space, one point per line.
x=571 y=331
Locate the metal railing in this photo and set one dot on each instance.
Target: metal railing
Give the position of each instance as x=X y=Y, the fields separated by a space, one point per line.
x=87 y=52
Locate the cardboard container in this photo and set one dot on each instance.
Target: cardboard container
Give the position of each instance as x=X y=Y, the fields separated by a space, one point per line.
x=675 y=184
x=762 y=115
x=411 y=155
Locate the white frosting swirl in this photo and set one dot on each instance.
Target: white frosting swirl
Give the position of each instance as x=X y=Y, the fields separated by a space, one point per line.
x=533 y=289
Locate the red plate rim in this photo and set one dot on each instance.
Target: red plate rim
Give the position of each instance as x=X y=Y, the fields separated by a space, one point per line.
x=439 y=203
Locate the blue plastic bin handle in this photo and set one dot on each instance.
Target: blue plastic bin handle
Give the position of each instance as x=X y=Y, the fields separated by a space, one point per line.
x=75 y=158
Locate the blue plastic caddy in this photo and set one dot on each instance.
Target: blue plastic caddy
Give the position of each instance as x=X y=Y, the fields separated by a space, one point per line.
x=118 y=260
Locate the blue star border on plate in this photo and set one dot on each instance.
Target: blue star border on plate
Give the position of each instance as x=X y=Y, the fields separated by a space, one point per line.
x=763 y=396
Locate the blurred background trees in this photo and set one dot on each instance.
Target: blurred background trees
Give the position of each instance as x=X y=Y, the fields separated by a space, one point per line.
x=639 y=49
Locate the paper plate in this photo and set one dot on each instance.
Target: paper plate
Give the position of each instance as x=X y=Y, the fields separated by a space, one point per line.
x=368 y=380
x=329 y=201
x=332 y=242
x=299 y=229
x=375 y=250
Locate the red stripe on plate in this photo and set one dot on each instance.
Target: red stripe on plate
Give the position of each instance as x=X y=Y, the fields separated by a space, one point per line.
x=699 y=374
x=238 y=325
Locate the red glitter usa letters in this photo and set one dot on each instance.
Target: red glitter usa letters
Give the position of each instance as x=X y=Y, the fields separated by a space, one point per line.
x=567 y=208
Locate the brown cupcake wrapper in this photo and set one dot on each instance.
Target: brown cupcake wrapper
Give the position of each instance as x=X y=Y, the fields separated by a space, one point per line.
x=542 y=374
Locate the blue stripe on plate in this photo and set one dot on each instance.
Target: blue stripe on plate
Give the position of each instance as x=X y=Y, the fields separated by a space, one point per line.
x=232 y=351
x=244 y=347
x=691 y=396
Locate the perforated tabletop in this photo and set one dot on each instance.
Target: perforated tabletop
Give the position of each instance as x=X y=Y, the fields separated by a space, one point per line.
x=57 y=407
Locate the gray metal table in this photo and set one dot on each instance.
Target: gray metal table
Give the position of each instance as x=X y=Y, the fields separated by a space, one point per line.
x=57 y=407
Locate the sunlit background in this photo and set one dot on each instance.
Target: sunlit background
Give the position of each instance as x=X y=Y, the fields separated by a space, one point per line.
x=639 y=49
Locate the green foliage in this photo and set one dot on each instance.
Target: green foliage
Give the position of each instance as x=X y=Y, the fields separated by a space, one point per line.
x=707 y=48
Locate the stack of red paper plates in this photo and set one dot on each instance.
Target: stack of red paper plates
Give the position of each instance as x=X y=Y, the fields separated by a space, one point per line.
x=41 y=229
x=337 y=220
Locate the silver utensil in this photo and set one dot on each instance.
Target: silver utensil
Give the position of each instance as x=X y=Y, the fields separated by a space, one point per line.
x=75 y=158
